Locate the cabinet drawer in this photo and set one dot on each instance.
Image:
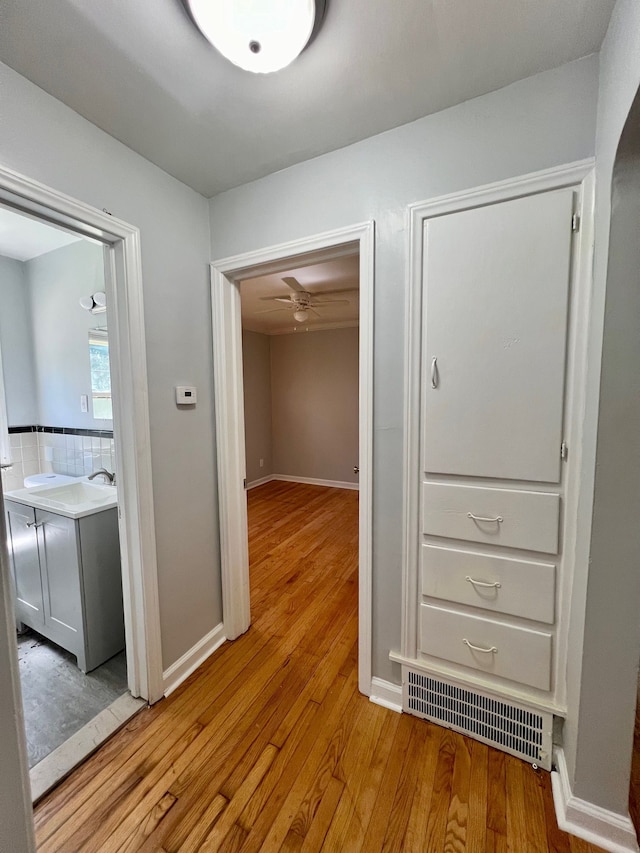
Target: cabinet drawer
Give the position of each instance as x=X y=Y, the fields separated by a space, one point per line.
x=521 y=655
x=510 y=517
x=505 y=585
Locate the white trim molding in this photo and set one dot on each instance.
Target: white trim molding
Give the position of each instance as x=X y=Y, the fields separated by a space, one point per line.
x=387 y=694
x=609 y=830
x=192 y=659
x=125 y=315
x=229 y=408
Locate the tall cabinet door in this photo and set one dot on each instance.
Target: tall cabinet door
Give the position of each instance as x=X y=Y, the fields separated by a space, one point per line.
x=23 y=550
x=496 y=288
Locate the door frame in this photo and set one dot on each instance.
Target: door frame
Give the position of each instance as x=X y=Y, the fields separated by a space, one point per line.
x=229 y=409
x=125 y=317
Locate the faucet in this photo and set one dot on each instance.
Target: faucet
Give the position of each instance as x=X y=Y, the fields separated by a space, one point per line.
x=108 y=477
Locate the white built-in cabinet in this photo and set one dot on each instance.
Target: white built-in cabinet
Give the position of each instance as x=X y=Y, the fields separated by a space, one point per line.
x=496 y=309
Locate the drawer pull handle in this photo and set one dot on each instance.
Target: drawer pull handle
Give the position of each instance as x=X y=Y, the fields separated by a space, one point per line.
x=491 y=651
x=497 y=520
x=494 y=585
x=434 y=372
x=35 y=524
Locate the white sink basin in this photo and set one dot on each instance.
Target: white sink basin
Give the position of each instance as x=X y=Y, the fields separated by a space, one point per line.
x=73 y=500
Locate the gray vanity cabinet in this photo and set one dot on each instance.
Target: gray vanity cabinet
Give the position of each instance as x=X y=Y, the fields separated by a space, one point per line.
x=68 y=579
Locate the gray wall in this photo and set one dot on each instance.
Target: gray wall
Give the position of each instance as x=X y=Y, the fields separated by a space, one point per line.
x=536 y=123
x=315 y=404
x=56 y=282
x=256 y=363
x=605 y=629
x=16 y=341
x=44 y=139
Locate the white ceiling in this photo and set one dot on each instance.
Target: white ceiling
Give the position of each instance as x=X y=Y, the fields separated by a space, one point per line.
x=340 y=274
x=142 y=72
x=22 y=238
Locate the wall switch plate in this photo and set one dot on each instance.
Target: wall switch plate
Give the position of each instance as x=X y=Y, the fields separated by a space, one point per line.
x=186 y=395
x=84 y=403
x=262 y=463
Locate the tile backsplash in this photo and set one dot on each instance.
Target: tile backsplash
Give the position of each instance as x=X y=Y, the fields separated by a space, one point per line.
x=44 y=452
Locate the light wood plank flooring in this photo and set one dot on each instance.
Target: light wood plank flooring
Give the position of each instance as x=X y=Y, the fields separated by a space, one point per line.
x=269 y=746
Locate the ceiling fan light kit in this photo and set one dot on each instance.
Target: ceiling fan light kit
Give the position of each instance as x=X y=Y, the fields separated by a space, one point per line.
x=257 y=35
x=303 y=303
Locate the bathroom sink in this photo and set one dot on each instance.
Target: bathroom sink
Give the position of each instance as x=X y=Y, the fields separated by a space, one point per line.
x=72 y=494
x=73 y=500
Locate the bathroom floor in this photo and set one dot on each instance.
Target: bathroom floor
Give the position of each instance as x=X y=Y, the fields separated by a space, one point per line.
x=58 y=699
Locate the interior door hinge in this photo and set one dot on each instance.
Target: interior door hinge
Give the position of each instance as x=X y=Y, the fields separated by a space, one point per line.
x=575 y=222
x=244 y=483
x=564 y=450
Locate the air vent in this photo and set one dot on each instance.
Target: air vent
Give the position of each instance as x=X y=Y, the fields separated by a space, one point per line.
x=512 y=728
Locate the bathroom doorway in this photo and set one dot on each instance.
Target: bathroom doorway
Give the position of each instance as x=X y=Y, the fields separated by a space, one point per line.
x=75 y=474
x=58 y=480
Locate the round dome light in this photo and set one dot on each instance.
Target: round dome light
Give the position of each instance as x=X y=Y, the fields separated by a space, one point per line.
x=257 y=35
x=300 y=315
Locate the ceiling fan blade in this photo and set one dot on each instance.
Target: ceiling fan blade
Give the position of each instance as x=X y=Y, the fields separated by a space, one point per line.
x=335 y=292
x=273 y=310
x=291 y=282
x=315 y=304
x=275 y=299
x=312 y=311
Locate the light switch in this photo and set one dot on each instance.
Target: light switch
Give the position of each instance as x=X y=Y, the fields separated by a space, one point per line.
x=186 y=395
x=84 y=403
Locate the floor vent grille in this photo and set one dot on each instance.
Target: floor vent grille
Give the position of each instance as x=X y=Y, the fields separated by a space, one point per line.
x=513 y=728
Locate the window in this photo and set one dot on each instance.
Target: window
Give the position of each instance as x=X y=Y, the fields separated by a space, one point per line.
x=100 y=374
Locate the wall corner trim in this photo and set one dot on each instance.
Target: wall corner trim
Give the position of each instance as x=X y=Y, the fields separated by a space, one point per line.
x=387 y=694
x=604 y=828
x=191 y=660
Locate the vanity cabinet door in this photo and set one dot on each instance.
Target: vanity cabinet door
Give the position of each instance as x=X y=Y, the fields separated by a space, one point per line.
x=61 y=580
x=25 y=561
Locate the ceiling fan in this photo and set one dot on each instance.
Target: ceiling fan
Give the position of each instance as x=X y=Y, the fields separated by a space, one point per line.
x=303 y=303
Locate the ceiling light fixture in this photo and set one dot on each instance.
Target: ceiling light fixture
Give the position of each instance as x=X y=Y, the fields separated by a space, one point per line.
x=257 y=35
x=300 y=315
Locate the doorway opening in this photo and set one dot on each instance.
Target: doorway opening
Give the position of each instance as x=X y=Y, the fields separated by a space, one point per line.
x=58 y=481
x=326 y=262
x=75 y=474
x=300 y=376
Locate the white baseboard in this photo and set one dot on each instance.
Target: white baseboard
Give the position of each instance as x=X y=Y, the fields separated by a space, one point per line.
x=387 y=694
x=260 y=482
x=191 y=660
x=606 y=829
x=310 y=481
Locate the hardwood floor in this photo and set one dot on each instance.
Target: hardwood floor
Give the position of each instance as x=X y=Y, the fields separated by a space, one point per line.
x=269 y=746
